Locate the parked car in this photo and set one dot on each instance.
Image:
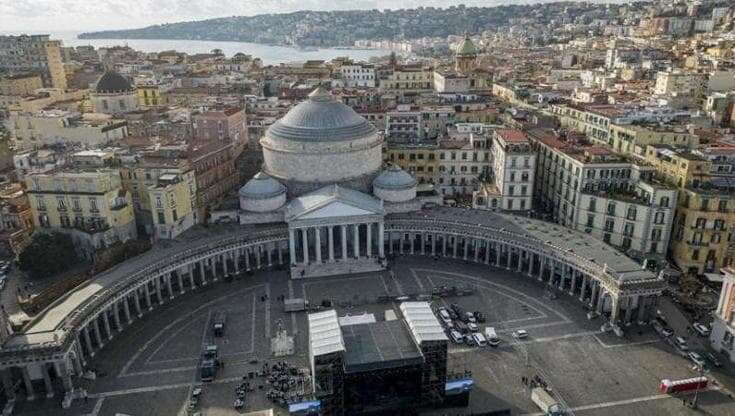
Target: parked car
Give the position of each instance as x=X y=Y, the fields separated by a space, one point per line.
x=520 y=334
x=701 y=329
x=698 y=359
x=479 y=339
x=456 y=337
x=712 y=359
x=470 y=317
x=473 y=327
x=681 y=344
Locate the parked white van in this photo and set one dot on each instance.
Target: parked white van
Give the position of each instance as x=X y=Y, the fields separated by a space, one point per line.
x=479 y=339
x=492 y=337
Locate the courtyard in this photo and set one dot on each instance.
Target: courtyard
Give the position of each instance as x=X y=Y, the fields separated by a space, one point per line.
x=151 y=368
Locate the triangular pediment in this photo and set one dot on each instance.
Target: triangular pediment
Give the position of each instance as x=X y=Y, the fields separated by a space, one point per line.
x=335 y=209
x=333 y=202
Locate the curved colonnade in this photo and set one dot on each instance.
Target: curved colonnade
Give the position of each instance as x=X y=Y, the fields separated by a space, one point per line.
x=62 y=351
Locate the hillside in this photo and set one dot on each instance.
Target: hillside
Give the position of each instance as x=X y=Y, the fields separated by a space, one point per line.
x=342 y=28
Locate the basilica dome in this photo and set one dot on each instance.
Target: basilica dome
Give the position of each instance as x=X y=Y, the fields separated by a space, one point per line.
x=394 y=185
x=322 y=141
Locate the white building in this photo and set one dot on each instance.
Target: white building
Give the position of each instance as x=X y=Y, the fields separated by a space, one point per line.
x=514 y=163
x=359 y=75
x=722 y=336
x=31 y=131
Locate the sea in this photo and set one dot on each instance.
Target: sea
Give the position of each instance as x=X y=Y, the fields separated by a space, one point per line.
x=269 y=54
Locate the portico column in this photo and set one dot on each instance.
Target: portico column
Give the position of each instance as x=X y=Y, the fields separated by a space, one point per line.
x=508 y=255
x=593 y=293
x=466 y=249
x=562 y=275
x=292 y=247
x=520 y=261
x=531 y=257
x=318 y=244
x=583 y=288
x=236 y=259
x=628 y=309
x=433 y=245
x=180 y=278
x=159 y=294
x=137 y=303
x=381 y=240
x=190 y=268
x=423 y=244
x=258 y=255
x=574 y=282
x=47 y=381
x=88 y=340
x=168 y=286
x=343 y=231
x=476 y=246
x=116 y=316
x=305 y=245
x=614 y=309
x=106 y=321
x=496 y=255
x=487 y=251
x=330 y=242
x=444 y=245
x=541 y=262
x=149 y=295
x=247 y=258
x=454 y=249
x=279 y=247
x=356 y=240
x=97 y=332
x=390 y=242
x=202 y=272
x=369 y=239
x=126 y=308
x=600 y=300
x=411 y=238
x=30 y=394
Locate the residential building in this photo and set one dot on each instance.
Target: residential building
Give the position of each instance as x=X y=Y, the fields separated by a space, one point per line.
x=22 y=84
x=173 y=204
x=88 y=204
x=220 y=124
x=514 y=164
x=113 y=94
x=34 y=53
x=16 y=219
x=610 y=195
x=358 y=75
x=45 y=128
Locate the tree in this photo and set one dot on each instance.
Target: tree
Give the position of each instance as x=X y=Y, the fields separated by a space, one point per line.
x=47 y=255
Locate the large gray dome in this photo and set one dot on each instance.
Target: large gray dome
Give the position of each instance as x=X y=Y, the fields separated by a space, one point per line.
x=262 y=186
x=321 y=118
x=394 y=178
x=113 y=83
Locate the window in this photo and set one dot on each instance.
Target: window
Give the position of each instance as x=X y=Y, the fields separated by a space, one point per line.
x=695 y=254
x=161 y=217
x=76 y=206
x=93 y=204
x=523 y=204
x=629 y=228
x=656 y=234
x=61 y=203
x=512 y=176
x=524 y=189
x=716 y=238
x=722 y=206
x=590 y=220
x=658 y=218
x=593 y=205
x=511 y=189
x=664 y=202
x=701 y=223
x=510 y=204
x=611 y=208
x=609 y=224
x=720 y=225
x=632 y=213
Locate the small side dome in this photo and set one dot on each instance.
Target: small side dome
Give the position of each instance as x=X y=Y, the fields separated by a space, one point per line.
x=262 y=194
x=112 y=82
x=394 y=185
x=466 y=47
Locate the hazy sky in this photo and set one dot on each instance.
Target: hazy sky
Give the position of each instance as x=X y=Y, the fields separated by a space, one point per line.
x=80 y=15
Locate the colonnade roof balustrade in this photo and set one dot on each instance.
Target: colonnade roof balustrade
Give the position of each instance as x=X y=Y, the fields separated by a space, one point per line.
x=49 y=331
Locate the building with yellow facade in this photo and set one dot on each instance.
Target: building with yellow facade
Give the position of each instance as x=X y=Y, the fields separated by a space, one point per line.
x=88 y=204
x=20 y=84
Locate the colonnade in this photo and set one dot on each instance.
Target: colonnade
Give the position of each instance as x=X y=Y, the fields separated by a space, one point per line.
x=335 y=242
x=557 y=273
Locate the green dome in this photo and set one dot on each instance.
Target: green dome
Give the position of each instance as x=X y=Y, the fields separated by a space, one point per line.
x=466 y=47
